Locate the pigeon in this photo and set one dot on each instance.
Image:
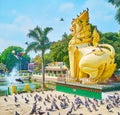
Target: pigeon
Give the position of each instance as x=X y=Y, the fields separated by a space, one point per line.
x=5 y=100
x=107 y=100
x=16 y=113
x=94 y=107
x=26 y=100
x=33 y=110
x=31 y=95
x=40 y=99
x=55 y=105
x=22 y=97
x=96 y=102
x=70 y=111
x=54 y=100
x=75 y=96
x=63 y=105
x=116 y=96
x=67 y=99
x=102 y=102
x=78 y=106
x=39 y=108
x=90 y=101
x=48 y=97
x=41 y=112
x=17 y=105
x=47 y=100
x=48 y=113
x=15 y=98
x=27 y=96
x=44 y=103
x=109 y=106
x=73 y=106
x=50 y=109
x=89 y=109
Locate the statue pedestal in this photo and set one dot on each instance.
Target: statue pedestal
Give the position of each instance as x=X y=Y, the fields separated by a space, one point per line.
x=91 y=91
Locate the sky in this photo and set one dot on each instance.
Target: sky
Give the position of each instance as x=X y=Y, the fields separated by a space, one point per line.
x=17 y=17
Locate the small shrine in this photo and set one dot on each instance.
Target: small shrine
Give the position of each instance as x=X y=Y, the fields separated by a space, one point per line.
x=56 y=69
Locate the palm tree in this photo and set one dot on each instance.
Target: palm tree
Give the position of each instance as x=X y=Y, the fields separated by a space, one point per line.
x=40 y=43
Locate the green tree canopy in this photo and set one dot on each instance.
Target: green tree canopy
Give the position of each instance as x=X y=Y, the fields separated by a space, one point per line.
x=114 y=40
x=8 y=58
x=38 y=63
x=48 y=58
x=59 y=50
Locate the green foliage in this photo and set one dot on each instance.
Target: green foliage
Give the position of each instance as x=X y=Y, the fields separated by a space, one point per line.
x=41 y=41
x=114 y=40
x=38 y=63
x=116 y=3
x=48 y=58
x=2 y=68
x=8 y=58
x=59 y=50
x=117 y=16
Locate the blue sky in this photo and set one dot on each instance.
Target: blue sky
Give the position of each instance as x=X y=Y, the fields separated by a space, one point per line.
x=17 y=17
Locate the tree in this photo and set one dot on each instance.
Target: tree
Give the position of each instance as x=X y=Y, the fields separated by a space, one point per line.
x=48 y=58
x=59 y=50
x=116 y=3
x=40 y=43
x=114 y=40
x=38 y=63
x=8 y=58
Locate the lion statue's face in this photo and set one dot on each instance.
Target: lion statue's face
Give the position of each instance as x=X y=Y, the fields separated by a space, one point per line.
x=76 y=27
x=73 y=28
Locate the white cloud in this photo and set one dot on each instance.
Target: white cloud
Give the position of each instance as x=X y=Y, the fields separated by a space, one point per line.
x=6 y=43
x=24 y=23
x=68 y=6
x=14 y=33
x=20 y=25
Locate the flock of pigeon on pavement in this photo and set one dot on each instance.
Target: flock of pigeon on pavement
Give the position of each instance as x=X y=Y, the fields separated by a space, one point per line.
x=50 y=102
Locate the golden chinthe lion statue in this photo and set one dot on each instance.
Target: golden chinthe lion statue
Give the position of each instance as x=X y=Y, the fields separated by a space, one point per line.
x=90 y=62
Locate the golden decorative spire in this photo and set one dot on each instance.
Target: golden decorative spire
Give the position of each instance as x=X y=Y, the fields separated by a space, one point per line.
x=96 y=37
x=84 y=16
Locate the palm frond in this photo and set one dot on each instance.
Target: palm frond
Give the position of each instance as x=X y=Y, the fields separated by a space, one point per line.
x=117 y=16
x=31 y=46
x=47 y=30
x=33 y=34
x=38 y=31
x=39 y=47
x=47 y=45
